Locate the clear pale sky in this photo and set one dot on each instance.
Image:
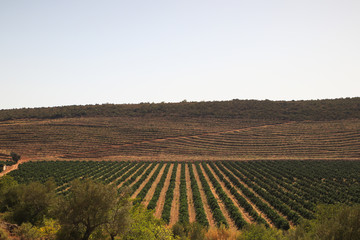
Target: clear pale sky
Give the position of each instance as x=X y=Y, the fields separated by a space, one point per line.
x=55 y=53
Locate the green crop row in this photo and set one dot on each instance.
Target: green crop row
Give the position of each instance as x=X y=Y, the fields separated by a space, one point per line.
x=159 y=187
x=140 y=197
x=240 y=199
x=275 y=218
x=183 y=210
x=142 y=178
x=169 y=196
x=198 y=203
x=213 y=204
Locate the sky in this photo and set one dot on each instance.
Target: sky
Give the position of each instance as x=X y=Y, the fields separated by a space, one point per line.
x=56 y=53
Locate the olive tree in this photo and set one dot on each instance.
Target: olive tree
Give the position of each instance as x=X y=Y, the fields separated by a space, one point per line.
x=90 y=206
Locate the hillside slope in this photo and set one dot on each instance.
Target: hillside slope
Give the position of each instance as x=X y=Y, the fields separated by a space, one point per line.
x=187 y=131
x=317 y=110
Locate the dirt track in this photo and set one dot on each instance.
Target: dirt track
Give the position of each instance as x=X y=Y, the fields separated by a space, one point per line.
x=204 y=199
x=13 y=167
x=175 y=205
x=151 y=191
x=221 y=204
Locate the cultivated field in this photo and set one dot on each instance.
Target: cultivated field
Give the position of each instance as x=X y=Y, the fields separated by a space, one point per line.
x=212 y=162
x=232 y=193
x=165 y=138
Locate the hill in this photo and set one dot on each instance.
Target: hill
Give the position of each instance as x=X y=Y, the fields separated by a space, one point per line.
x=238 y=129
x=317 y=110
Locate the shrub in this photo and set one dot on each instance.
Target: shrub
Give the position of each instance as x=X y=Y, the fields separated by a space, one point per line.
x=260 y=232
x=15 y=157
x=332 y=222
x=3 y=235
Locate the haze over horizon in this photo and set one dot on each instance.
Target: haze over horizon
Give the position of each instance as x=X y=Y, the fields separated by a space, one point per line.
x=56 y=53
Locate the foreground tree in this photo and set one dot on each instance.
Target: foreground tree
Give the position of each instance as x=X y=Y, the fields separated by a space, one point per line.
x=8 y=193
x=332 y=222
x=30 y=203
x=118 y=217
x=145 y=226
x=90 y=206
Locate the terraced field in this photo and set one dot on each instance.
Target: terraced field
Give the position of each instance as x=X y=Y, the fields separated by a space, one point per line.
x=202 y=169
x=230 y=193
x=164 y=138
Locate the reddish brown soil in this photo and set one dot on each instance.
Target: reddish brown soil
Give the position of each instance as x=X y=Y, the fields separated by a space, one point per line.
x=6 y=228
x=145 y=181
x=221 y=204
x=161 y=201
x=113 y=182
x=15 y=166
x=151 y=191
x=248 y=200
x=137 y=178
x=191 y=208
x=175 y=205
x=204 y=200
x=244 y=214
x=257 y=195
x=162 y=138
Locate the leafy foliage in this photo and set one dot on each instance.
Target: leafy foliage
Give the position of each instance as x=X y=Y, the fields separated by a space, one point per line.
x=331 y=222
x=169 y=196
x=260 y=232
x=147 y=186
x=31 y=203
x=159 y=187
x=15 y=157
x=282 y=192
x=146 y=227
x=86 y=209
x=198 y=204
x=331 y=109
x=213 y=204
x=183 y=210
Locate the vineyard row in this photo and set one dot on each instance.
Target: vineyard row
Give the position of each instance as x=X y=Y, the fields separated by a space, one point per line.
x=229 y=193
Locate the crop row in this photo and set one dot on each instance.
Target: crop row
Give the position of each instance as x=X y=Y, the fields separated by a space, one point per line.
x=184 y=209
x=198 y=203
x=159 y=187
x=273 y=193
x=169 y=196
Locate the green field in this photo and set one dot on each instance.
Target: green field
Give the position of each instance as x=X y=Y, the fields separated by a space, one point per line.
x=232 y=193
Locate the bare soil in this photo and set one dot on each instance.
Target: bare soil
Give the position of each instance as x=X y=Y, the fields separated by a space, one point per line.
x=175 y=205
x=257 y=195
x=137 y=178
x=248 y=200
x=14 y=167
x=151 y=191
x=123 y=175
x=191 y=208
x=168 y=139
x=221 y=204
x=144 y=183
x=204 y=199
x=244 y=214
x=161 y=201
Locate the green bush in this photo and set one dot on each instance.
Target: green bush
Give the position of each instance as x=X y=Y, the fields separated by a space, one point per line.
x=3 y=235
x=260 y=232
x=332 y=222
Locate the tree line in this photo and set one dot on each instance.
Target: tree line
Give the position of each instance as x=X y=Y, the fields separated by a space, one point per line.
x=317 y=110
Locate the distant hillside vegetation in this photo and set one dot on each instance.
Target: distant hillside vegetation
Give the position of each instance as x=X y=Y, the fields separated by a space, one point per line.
x=330 y=109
